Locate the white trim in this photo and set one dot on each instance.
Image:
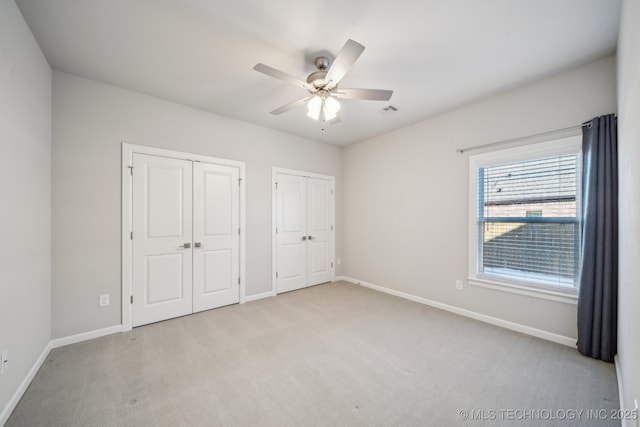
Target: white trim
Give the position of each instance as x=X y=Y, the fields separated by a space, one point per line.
x=539 y=333
x=257 y=297
x=127 y=160
x=13 y=401
x=274 y=240
x=526 y=140
x=59 y=342
x=566 y=298
x=548 y=148
x=274 y=202
x=85 y=336
x=624 y=422
x=566 y=145
x=301 y=173
x=243 y=234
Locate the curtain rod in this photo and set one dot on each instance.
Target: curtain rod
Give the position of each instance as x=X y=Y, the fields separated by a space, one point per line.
x=523 y=138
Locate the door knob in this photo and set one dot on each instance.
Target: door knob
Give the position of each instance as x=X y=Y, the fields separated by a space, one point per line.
x=310 y=237
x=197 y=245
x=186 y=246
x=304 y=237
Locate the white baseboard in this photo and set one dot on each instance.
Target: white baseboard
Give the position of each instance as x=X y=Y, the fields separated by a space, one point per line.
x=11 y=404
x=539 y=333
x=84 y=336
x=256 y=297
x=623 y=408
x=59 y=342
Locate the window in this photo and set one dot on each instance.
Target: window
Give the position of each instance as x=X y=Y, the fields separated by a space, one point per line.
x=525 y=216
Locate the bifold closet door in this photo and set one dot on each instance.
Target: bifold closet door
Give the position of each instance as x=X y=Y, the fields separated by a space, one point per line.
x=162 y=224
x=303 y=222
x=216 y=226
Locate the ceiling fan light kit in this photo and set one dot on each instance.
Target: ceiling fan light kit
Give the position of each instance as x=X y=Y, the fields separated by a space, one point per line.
x=331 y=108
x=315 y=105
x=323 y=104
x=322 y=85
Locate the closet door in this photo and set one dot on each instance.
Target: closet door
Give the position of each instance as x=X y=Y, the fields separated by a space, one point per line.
x=318 y=231
x=291 y=229
x=303 y=237
x=162 y=223
x=216 y=217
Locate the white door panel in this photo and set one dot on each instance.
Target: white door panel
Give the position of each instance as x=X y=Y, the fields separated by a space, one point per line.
x=216 y=225
x=319 y=214
x=319 y=228
x=218 y=271
x=165 y=199
x=319 y=258
x=292 y=266
x=303 y=231
x=162 y=268
x=291 y=220
x=164 y=278
x=293 y=195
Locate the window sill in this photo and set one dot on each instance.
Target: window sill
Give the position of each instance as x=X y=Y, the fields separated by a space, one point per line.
x=568 y=297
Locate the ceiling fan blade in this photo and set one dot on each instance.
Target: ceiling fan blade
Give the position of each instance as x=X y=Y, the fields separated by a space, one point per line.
x=350 y=52
x=366 y=94
x=281 y=75
x=291 y=105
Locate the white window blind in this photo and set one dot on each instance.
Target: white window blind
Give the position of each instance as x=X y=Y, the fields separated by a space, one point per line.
x=528 y=221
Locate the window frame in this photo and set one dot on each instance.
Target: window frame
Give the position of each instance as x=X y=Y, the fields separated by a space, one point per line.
x=550 y=148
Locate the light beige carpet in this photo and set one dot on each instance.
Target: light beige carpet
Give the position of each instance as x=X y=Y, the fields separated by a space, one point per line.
x=331 y=355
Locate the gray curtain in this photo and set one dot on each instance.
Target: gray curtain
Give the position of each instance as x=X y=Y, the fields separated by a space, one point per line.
x=598 y=299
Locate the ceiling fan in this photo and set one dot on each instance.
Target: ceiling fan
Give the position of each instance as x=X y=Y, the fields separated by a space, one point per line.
x=322 y=85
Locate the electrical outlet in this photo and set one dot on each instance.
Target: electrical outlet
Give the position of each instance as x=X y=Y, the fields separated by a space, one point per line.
x=4 y=361
x=104 y=300
x=459 y=285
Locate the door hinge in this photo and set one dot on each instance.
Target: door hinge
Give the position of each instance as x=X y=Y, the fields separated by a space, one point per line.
x=332 y=228
x=238 y=280
x=276 y=185
x=131 y=299
x=130 y=169
x=332 y=191
x=276 y=230
x=132 y=235
x=331 y=265
x=238 y=231
x=239 y=181
x=276 y=274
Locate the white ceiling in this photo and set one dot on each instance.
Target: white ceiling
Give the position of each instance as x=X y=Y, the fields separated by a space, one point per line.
x=434 y=54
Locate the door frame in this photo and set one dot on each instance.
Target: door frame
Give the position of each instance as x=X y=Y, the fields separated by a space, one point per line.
x=128 y=150
x=274 y=220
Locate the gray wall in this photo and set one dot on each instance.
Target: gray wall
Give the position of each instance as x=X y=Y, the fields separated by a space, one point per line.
x=406 y=194
x=90 y=121
x=629 y=201
x=25 y=210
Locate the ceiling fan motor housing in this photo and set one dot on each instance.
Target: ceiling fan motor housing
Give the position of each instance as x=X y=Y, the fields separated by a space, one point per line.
x=317 y=78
